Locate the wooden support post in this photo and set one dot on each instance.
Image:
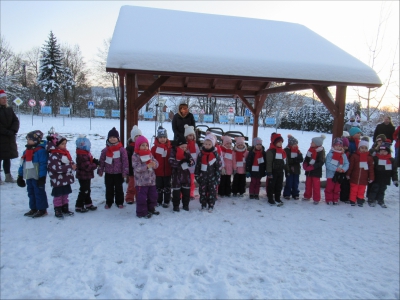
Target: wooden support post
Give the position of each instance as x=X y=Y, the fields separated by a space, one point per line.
x=340 y=104
x=132 y=109
x=258 y=104
x=121 y=107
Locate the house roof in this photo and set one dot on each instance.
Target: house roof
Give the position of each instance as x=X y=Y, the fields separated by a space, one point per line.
x=168 y=42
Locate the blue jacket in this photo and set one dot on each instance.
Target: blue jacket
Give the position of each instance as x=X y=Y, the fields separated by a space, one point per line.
x=39 y=161
x=331 y=168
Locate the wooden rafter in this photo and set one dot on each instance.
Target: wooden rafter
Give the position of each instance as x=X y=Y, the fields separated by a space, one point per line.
x=239 y=85
x=326 y=98
x=248 y=105
x=204 y=91
x=151 y=91
x=214 y=83
x=284 y=88
x=186 y=81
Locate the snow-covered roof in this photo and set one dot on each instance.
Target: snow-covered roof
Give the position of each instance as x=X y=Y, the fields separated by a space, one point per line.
x=185 y=42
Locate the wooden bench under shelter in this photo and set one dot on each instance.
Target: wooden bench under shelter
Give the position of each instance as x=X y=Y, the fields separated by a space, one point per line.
x=181 y=53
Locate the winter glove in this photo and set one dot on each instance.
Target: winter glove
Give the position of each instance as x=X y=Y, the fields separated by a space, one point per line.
x=184 y=161
x=248 y=174
x=96 y=161
x=309 y=168
x=269 y=175
x=223 y=171
x=41 y=181
x=21 y=182
x=396 y=183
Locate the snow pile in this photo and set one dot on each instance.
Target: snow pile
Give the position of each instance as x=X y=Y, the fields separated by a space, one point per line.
x=244 y=249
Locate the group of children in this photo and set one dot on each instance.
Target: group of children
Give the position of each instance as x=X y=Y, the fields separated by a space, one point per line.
x=154 y=173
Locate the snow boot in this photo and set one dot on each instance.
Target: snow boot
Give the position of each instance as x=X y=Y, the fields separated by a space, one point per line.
x=271 y=202
x=65 y=210
x=382 y=204
x=81 y=209
x=372 y=203
x=176 y=208
x=31 y=213
x=91 y=207
x=360 y=202
x=251 y=196
x=58 y=212
x=256 y=197
x=279 y=202
x=148 y=216
x=40 y=213
x=352 y=203
x=185 y=207
x=154 y=212
x=9 y=179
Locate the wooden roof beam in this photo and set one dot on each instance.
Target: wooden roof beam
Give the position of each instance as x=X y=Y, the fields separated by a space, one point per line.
x=214 y=83
x=284 y=88
x=326 y=98
x=150 y=91
x=205 y=91
x=239 y=85
x=185 y=81
x=248 y=105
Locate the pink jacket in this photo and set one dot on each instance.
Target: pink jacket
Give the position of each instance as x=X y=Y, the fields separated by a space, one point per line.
x=237 y=166
x=228 y=161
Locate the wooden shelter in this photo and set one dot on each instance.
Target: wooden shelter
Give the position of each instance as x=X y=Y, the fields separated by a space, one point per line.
x=185 y=53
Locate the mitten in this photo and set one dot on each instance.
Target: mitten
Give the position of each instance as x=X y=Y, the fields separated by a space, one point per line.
x=248 y=174
x=309 y=168
x=396 y=183
x=41 y=181
x=96 y=161
x=21 y=182
x=223 y=171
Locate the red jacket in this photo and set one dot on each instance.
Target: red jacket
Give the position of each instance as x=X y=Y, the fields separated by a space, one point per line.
x=357 y=175
x=164 y=167
x=396 y=137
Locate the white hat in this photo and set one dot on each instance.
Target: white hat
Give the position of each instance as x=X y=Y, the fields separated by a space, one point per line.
x=135 y=132
x=211 y=138
x=189 y=130
x=364 y=142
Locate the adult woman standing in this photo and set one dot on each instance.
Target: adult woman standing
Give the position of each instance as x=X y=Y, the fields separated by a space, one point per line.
x=386 y=127
x=9 y=126
x=182 y=117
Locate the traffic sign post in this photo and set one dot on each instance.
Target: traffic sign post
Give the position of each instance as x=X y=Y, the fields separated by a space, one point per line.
x=18 y=102
x=32 y=103
x=90 y=107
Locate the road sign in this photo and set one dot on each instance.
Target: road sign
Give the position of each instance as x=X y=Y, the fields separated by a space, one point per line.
x=208 y=118
x=270 y=121
x=231 y=115
x=18 y=101
x=148 y=115
x=247 y=112
x=65 y=111
x=46 y=110
x=31 y=102
x=223 y=119
x=115 y=113
x=42 y=103
x=90 y=105
x=231 y=109
x=99 y=112
x=239 y=119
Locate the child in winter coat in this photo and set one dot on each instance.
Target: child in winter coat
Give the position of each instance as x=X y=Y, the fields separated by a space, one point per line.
x=161 y=152
x=180 y=160
x=354 y=139
x=336 y=165
x=385 y=168
x=255 y=167
x=130 y=148
x=360 y=173
x=194 y=151
x=276 y=167
x=208 y=172
x=294 y=159
x=312 y=164
x=114 y=163
x=33 y=169
x=227 y=171
x=345 y=184
x=239 y=167
x=143 y=164
x=381 y=138
x=85 y=166
x=60 y=166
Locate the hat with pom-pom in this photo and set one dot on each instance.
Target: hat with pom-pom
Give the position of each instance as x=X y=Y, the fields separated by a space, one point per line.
x=139 y=141
x=2 y=94
x=56 y=138
x=345 y=141
x=189 y=130
x=239 y=140
x=386 y=145
x=292 y=140
x=364 y=142
x=337 y=141
x=162 y=132
x=354 y=130
x=276 y=137
x=257 y=141
x=35 y=136
x=211 y=138
x=135 y=132
x=113 y=132
x=318 y=141
x=83 y=143
x=226 y=140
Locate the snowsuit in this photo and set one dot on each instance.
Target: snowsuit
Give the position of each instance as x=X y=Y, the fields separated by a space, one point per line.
x=130 y=190
x=345 y=185
x=180 y=178
x=293 y=173
x=313 y=177
x=84 y=173
x=224 y=188
x=208 y=175
x=383 y=173
x=359 y=177
x=36 y=194
x=145 y=180
x=256 y=171
x=192 y=168
x=333 y=178
x=276 y=166
x=163 y=172
x=114 y=175
x=239 y=179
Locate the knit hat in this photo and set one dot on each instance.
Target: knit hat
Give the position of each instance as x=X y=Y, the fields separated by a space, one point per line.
x=135 y=132
x=226 y=139
x=386 y=146
x=162 y=132
x=291 y=140
x=345 y=141
x=211 y=138
x=140 y=140
x=352 y=117
x=364 y=142
x=354 y=130
x=56 y=138
x=275 y=138
x=239 y=140
x=35 y=135
x=318 y=141
x=381 y=137
x=257 y=141
x=345 y=134
x=113 y=132
x=83 y=143
x=181 y=141
x=337 y=141
x=189 y=130
x=2 y=94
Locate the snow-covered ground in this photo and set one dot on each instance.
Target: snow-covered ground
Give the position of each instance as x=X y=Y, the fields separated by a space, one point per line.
x=244 y=249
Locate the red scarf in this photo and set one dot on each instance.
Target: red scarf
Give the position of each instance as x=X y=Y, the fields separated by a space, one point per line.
x=180 y=154
x=192 y=146
x=239 y=154
x=386 y=157
x=312 y=152
x=64 y=152
x=207 y=157
x=278 y=150
x=132 y=144
x=294 y=149
x=257 y=155
x=85 y=152
x=143 y=153
x=112 y=149
x=29 y=153
x=338 y=156
x=226 y=150
x=165 y=146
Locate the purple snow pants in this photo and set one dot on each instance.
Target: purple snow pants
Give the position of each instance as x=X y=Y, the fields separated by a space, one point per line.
x=146 y=200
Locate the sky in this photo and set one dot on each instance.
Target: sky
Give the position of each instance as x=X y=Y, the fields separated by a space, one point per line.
x=351 y=25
